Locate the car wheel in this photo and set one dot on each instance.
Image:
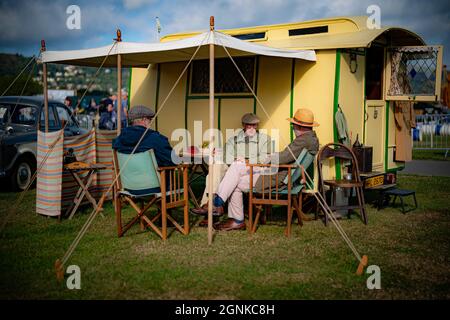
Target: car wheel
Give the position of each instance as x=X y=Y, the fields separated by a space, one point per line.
x=21 y=177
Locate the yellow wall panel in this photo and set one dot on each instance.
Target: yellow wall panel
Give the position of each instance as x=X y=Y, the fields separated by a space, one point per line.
x=314 y=89
x=351 y=95
x=143 y=87
x=171 y=115
x=198 y=110
x=231 y=112
x=274 y=86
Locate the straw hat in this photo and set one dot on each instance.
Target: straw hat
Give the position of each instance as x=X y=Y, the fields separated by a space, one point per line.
x=303 y=117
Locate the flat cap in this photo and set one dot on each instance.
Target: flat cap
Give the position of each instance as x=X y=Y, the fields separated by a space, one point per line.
x=138 y=112
x=250 y=118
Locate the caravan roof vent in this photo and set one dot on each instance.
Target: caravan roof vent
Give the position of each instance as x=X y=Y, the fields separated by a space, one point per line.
x=305 y=31
x=251 y=36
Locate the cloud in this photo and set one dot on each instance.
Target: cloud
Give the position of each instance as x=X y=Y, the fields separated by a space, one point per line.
x=135 y=4
x=24 y=23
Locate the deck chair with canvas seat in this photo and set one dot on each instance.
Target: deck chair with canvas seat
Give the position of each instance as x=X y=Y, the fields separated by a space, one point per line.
x=141 y=181
x=286 y=192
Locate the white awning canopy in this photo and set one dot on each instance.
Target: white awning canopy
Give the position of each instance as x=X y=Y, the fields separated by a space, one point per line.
x=142 y=54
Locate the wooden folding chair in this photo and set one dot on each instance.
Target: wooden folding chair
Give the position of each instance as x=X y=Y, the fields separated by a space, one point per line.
x=277 y=191
x=142 y=181
x=338 y=151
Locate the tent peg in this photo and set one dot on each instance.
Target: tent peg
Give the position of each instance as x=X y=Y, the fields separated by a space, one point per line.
x=362 y=264
x=59 y=270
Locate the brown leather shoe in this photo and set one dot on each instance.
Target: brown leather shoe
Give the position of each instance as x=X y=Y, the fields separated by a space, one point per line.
x=200 y=211
x=229 y=225
x=203 y=211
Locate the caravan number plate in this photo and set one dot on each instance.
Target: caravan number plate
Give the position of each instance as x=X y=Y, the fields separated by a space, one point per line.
x=374 y=181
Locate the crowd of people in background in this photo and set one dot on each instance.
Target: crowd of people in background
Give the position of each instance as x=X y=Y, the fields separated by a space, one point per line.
x=105 y=112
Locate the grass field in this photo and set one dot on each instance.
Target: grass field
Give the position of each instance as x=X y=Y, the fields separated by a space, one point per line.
x=412 y=250
x=430 y=155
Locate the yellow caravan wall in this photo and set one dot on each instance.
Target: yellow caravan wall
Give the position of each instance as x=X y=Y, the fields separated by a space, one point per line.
x=143 y=87
x=314 y=89
x=274 y=83
x=351 y=94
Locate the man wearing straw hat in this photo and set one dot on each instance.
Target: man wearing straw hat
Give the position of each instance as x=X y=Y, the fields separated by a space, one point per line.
x=237 y=177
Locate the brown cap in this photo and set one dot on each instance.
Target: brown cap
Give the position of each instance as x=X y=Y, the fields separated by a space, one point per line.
x=138 y=112
x=250 y=118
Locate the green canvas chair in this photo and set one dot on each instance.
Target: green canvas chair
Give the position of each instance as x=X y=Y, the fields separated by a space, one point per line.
x=284 y=192
x=141 y=181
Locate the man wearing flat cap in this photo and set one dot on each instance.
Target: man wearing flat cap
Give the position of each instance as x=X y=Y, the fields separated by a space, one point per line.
x=248 y=144
x=237 y=177
x=140 y=118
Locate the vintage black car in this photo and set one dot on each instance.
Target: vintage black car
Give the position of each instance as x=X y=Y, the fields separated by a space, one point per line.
x=18 y=135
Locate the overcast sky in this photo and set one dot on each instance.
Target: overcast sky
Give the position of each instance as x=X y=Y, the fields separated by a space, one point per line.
x=24 y=22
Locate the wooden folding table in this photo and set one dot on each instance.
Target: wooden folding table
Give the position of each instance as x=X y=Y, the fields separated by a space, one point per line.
x=76 y=169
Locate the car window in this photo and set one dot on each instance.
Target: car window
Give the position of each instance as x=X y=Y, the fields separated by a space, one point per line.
x=22 y=114
x=51 y=118
x=3 y=114
x=64 y=116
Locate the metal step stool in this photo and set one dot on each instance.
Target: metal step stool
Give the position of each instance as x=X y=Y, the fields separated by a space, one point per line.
x=401 y=193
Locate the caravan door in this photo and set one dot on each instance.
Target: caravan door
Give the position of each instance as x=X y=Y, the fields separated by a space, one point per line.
x=375 y=105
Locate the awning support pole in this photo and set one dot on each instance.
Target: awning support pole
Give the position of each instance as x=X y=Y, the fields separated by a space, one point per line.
x=119 y=85
x=211 y=126
x=45 y=88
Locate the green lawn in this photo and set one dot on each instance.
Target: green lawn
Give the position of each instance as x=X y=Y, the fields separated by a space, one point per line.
x=412 y=250
x=430 y=155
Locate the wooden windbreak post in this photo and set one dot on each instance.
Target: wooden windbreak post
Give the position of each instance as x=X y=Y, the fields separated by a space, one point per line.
x=211 y=125
x=45 y=88
x=119 y=85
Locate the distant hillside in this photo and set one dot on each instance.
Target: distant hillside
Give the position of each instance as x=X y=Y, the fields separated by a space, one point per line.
x=59 y=77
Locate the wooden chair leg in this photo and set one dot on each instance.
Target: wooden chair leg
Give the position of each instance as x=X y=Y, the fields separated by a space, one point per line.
x=118 y=209
x=289 y=220
x=362 y=205
x=263 y=219
x=298 y=205
x=141 y=224
x=250 y=214
x=141 y=221
x=255 y=222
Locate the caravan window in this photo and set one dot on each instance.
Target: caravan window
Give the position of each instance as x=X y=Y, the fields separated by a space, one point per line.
x=374 y=73
x=226 y=78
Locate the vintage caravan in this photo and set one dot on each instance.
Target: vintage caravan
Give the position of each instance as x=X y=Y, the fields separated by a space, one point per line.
x=361 y=71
